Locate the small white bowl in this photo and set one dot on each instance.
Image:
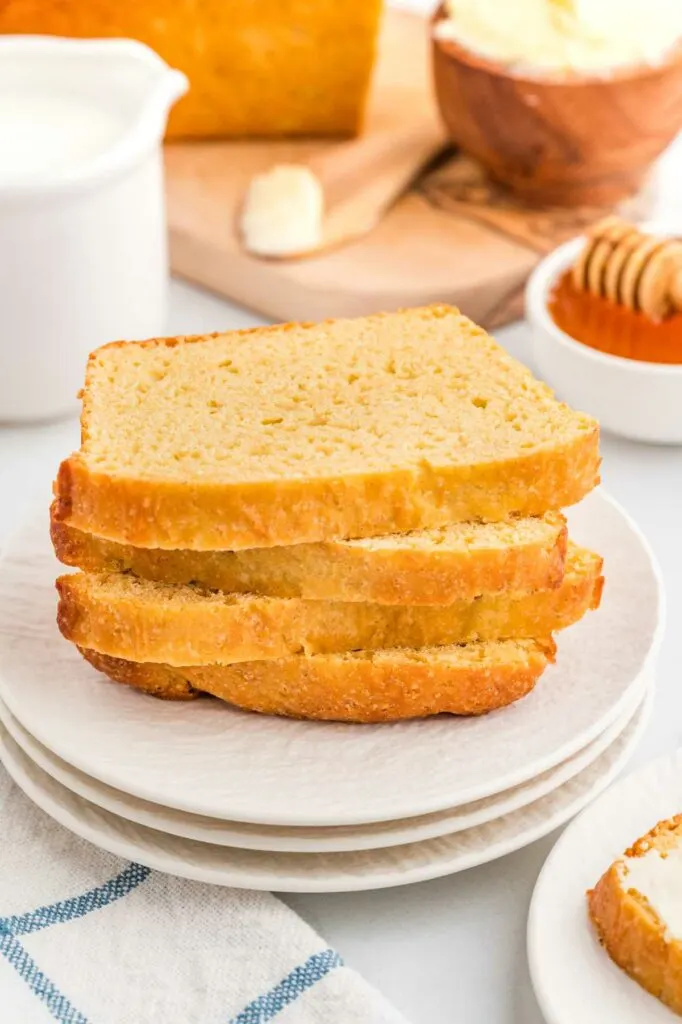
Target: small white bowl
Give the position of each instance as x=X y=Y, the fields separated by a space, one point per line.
x=641 y=401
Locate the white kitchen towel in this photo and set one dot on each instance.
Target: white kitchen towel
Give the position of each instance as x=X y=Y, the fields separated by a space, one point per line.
x=86 y=938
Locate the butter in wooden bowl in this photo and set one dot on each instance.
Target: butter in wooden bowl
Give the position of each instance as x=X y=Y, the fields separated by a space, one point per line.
x=573 y=37
x=566 y=102
x=623 y=294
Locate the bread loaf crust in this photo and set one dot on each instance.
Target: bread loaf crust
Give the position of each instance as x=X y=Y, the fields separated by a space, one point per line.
x=352 y=688
x=338 y=570
x=139 y=621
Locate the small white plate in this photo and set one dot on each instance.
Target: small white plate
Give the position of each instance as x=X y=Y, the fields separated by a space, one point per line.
x=207 y=758
x=311 y=840
x=573 y=977
x=320 y=872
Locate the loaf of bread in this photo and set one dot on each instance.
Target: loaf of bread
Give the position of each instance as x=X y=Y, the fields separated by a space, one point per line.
x=314 y=432
x=290 y=67
x=433 y=567
x=382 y=686
x=125 y=617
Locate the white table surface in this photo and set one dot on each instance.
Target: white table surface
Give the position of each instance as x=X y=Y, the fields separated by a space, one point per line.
x=451 y=951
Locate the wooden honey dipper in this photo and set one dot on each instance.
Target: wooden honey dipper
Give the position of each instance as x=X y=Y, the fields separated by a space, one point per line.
x=631 y=268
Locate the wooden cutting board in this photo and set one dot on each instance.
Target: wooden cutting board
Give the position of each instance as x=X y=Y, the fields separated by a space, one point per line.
x=453 y=237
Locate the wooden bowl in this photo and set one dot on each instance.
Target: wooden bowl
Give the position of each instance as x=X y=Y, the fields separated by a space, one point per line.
x=566 y=141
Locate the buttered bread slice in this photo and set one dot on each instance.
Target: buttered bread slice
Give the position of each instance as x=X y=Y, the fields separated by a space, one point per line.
x=125 y=617
x=457 y=562
x=362 y=686
x=315 y=432
x=636 y=908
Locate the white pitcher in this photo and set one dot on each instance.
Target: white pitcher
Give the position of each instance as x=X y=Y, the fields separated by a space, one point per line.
x=83 y=250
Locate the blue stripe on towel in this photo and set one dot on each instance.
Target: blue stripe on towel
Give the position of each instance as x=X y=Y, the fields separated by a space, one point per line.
x=77 y=906
x=58 y=913
x=287 y=991
x=58 y=1005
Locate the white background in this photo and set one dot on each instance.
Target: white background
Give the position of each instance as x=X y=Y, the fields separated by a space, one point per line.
x=450 y=951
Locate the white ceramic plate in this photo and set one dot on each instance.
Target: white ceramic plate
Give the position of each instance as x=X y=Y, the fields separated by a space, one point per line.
x=573 y=977
x=311 y=840
x=320 y=872
x=207 y=758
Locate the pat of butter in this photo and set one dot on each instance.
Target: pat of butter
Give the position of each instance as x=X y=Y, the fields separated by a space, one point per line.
x=659 y=879
x=283 y=212
x=583 y=36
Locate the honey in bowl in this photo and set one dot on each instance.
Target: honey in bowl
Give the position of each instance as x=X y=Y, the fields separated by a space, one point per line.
x=610 y=327
x=623 y=295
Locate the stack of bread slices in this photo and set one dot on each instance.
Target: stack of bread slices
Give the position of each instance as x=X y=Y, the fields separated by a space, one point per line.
x=356 y=520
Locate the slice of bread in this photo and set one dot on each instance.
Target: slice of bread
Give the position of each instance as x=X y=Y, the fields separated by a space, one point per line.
x=302 y=432
x=383 y=686
x=125 y=617
x=629 y=916
x=452 y=563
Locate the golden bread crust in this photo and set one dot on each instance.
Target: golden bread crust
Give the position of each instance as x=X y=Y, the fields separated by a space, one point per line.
x=118 y=615
x=629 y=929
x=160 y=513
x=337 y=570
x=354 y=688
x=164 y=685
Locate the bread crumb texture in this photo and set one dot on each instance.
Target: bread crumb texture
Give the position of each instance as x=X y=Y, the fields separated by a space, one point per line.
x=303 y=400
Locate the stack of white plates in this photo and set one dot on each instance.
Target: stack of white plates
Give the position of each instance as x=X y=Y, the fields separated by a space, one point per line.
x=217 y=795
